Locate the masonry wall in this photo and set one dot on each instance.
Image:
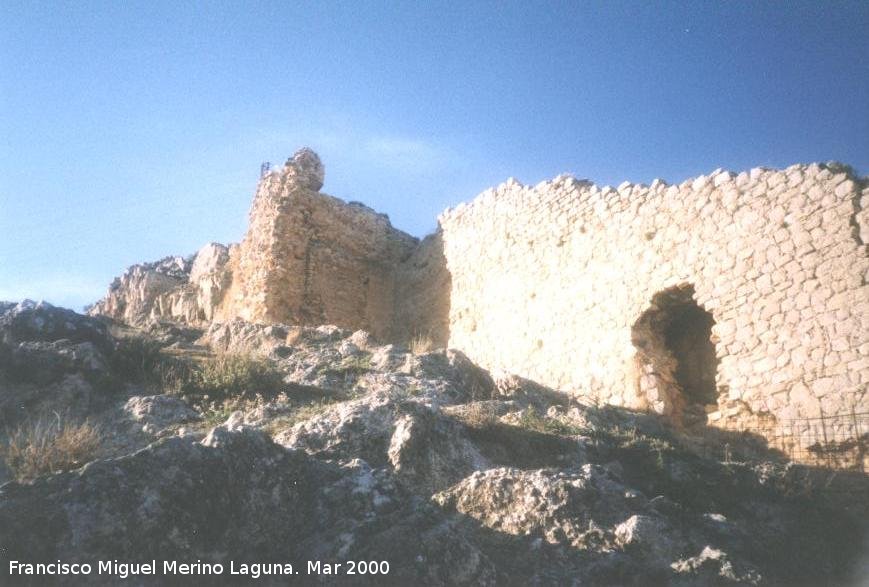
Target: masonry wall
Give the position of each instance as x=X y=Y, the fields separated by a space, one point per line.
x=553 y=282
x=309 y=258
x=732 y=298
x=423 y=287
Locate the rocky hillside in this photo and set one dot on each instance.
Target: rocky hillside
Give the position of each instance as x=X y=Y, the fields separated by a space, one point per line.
x=263 y=444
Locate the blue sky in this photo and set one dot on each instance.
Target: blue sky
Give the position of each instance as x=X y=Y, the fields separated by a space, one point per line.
x=131 y=131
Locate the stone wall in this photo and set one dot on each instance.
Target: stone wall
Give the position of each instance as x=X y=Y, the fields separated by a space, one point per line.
x=728 y=298
x=584 y=288
x=309 y=258
x=423 y=294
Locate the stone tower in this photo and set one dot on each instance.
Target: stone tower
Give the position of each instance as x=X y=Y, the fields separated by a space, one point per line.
x=309 y=258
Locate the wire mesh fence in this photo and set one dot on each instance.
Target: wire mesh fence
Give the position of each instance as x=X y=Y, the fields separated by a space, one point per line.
x=834 y=441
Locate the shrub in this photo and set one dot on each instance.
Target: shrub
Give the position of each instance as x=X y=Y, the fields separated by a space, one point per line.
x=175 y=377
x=50 y=444
x=349 y=367
x=225 y=376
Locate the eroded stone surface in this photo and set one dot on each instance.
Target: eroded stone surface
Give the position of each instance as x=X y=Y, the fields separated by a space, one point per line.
x=157 y=412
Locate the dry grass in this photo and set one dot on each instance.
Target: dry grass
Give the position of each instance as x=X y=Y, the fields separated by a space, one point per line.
x=531 y=419
x=480 y=414
x=223 y=377
x=421 y=344
x=49 y=444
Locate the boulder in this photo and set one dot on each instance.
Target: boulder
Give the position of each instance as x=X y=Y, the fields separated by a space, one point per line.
x=46 y=362
x=579 y=507
x=356 y=429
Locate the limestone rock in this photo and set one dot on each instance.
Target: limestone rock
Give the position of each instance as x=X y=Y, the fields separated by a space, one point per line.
x=150 y=291
x=238 y=336
x=552 y=504
x=187 y=290
x=210 y=277
x=468 y=381
x=45 y=362
x=238 y=498
x=712 y=566
x=209 y=260
x=158 y=412
x=41 y=322
x=360 y=428
x=649 y=536
x=55 y=363
x=173 y=500
x=431 y=451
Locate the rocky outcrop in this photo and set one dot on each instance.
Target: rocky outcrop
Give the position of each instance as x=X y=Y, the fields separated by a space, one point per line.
x=210 y=278
x=31 y=321
x=235 y=496
x=187 y=290
x=364 y=451
x=238 y=336
x=185 y=500
x=593 y=511
x=51 y=359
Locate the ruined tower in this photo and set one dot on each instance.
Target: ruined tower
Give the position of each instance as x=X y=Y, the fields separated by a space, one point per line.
x=309 y=258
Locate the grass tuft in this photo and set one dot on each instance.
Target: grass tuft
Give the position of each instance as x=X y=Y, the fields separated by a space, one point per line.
x=421 y=344
x=531 y=419
x=50 y=444
x=223 y=377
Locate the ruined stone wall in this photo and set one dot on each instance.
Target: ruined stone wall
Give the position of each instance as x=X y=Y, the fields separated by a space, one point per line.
x=575 y=286
x=737 y=298
x=423 y=294
x=309 y=258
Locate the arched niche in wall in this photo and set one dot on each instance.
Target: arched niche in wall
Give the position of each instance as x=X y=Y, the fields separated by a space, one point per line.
x=676 y=356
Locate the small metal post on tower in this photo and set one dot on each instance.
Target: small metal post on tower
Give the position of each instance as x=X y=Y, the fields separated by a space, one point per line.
x=264 y=169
